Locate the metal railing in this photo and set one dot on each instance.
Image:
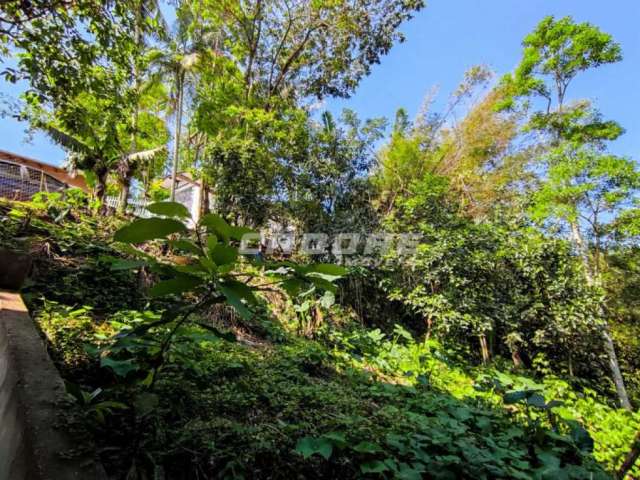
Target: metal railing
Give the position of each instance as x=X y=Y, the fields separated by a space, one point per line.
x=135 y=207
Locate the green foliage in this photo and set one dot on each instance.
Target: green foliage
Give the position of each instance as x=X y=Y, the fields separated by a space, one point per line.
x=145 y=229
x=477 y=157
x=307 y=419
x=169 y=209
x=558 y=50
x=521 y=290
x=72 y=256
x=67 y=329
x=212 y=271
x=210 y=276
x=357 y=402
x=58 y=205
x=313 y=49
x=583 y=180
x=89 y=31
x=90 y=402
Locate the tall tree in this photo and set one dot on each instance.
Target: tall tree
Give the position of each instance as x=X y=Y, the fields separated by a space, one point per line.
x=272 y=60
x=87 y=102
x=299 y=49
x=338 y=157
x=147 y=22
x=177 y=59
x=579 y=183
x=94 y=131
x=57 y=42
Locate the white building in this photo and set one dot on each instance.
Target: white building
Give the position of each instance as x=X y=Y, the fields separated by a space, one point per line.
x=188 y=193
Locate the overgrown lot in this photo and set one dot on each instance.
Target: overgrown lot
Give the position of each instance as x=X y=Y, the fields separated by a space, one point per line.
x=349 y=402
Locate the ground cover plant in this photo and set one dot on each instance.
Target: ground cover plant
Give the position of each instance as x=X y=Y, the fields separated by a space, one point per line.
x=352 y=402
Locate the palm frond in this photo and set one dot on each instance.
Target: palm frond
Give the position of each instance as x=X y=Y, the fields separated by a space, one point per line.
x=157 y=57
x=189 y=60
x=67 y=141
x=145 y=155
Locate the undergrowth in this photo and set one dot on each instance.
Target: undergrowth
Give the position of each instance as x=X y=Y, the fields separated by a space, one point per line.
x=351 y=403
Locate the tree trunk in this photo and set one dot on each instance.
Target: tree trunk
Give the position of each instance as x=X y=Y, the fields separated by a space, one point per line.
x=632 y=458
x=123 y=200
x=570 y=364
x=484 y=349
x=176 y=147
x=429 y=327
x=205 y=207
x=609 y=347
x=583 y=251
x=515 y=356
x=101 y=187
x=615 y=368
x=127 y=168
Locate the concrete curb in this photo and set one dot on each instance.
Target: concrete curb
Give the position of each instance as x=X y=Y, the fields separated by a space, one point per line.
x=30 y=393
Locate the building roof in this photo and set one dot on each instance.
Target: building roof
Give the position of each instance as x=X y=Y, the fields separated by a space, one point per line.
x=56 y=172
x=182 y=178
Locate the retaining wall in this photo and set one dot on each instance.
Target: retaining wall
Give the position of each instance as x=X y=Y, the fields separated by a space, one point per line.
x=30 y=394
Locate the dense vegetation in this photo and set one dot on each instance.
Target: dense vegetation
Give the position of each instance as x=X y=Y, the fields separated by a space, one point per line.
x=504 y=345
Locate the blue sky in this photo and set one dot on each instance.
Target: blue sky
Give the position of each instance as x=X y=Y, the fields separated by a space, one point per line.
x=443 y=41
x=449 y=36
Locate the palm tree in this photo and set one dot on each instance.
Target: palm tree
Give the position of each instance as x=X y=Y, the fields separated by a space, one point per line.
x=178 y=63
x=178 y=60
x=144 y=10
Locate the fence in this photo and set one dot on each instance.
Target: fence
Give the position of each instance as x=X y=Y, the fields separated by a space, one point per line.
x=19 y=182
x=137 y=208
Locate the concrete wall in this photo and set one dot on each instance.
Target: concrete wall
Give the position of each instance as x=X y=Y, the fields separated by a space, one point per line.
x=12 y=450
x=30 y=394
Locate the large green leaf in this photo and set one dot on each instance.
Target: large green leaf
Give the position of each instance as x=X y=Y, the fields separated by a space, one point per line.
x=186 y=246
x=239 y=295
x=581 y=436
x=192 y=269
x=208 y=264
x=223 y=254
x=292 y=286
x=145 y=229
x=175 y=286
x=212 y=241
x=322 y=283
x=169 y=209
x=517 y=396
x=536 y=400
x=308 y=446
x=225 y=335
x=408 y=472
x=216 y=224
x=119 y=367
x=326 y=269
x=367 y=447
x=237 y=232
x=374 y=466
